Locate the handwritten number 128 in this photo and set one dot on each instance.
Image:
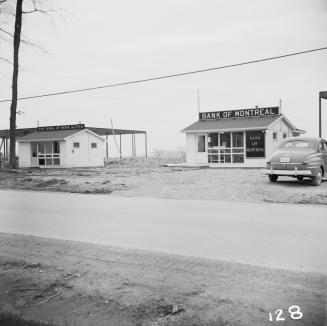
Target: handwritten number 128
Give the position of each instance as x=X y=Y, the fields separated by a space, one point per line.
x=294 y=311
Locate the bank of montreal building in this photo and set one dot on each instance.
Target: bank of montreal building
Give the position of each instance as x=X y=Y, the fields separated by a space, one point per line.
x=237 y=138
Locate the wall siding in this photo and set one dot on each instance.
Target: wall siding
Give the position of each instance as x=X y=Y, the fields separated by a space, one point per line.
x=84 y=155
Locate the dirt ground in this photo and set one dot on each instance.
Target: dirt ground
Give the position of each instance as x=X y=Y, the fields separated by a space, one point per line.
x=64 y=281
x=148 y=177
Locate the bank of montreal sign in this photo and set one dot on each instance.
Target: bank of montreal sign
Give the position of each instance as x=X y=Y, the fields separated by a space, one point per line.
x=244 y=113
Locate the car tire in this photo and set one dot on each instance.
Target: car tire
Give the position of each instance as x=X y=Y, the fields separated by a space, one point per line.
x=299 y=178
x=273 y=177
x=316 y=180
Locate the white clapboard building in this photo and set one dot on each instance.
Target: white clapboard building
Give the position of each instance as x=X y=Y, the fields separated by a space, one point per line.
x=237 y=138
x=61 y=146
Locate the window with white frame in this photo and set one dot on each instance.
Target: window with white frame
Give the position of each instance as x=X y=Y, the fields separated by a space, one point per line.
x=226 y=147
x=47 y=153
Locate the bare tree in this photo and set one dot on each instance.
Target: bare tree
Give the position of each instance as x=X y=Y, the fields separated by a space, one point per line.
x=13 y=106
x=16 y=45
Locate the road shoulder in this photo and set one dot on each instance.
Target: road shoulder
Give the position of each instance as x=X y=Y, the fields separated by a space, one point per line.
x=64 y=281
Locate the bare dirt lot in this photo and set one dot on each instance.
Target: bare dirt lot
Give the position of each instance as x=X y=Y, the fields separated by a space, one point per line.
x=148 y=177
x=66 y=281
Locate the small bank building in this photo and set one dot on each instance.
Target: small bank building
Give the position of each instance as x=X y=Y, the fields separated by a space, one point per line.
x=66 y=146
x=237 y=138
x=61 y=148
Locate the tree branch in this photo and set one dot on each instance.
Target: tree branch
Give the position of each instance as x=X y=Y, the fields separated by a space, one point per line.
x=6 y=32
x=36 y=9
x=6 y=60
x=23 y=41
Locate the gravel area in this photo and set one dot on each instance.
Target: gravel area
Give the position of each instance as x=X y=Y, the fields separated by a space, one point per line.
x=150 y=178
x=73 y=283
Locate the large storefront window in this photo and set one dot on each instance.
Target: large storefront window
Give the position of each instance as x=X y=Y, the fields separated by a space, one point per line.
x=226 y=147
x=47 y=153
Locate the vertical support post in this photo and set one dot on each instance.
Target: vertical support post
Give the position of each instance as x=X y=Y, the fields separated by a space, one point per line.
x=132 y=145
x=107 y=148
x=4 y=146
x=320 y=114
x=1 y=143
x=7 y=156
x=6 y=141
x=146 y=144
x=120 y=156
x=135 y=145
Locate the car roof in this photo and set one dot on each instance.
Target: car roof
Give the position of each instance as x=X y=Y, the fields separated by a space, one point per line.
x=313 y=141
x=305 y=138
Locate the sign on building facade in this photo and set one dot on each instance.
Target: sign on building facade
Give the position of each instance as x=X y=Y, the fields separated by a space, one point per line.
x=255 y=143
x=245 y=113
x=62 y=127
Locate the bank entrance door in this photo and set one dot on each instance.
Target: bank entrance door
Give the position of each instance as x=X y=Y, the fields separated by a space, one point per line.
x=226 y=147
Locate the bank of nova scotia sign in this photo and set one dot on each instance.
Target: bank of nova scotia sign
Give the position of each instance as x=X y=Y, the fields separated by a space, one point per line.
x=244 y=113
x=62 y=127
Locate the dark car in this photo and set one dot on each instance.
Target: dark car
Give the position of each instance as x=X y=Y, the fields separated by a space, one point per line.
x=299 y=157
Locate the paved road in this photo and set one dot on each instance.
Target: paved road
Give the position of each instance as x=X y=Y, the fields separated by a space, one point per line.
x=282 y=236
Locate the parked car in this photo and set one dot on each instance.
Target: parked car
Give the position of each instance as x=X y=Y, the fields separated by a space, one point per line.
x=299 y=157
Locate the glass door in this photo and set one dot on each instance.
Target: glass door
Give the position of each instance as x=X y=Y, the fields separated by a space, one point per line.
x=213 y=148
x=225 y=147
x=238 y=149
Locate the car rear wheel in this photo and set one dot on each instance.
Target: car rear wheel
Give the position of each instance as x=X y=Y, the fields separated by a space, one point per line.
x=273 y=177
x=299 y=178
x=316 y=180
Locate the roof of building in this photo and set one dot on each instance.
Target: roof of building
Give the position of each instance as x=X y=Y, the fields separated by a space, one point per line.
x=237 y=124
x=20 y=132
x=49 y=135
x=109 y=131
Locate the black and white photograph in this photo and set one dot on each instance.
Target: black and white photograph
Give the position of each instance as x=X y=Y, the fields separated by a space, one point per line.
x=163 y=163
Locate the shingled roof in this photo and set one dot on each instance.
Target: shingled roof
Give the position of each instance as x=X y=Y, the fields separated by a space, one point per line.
x=235 y=124
x=48 y=135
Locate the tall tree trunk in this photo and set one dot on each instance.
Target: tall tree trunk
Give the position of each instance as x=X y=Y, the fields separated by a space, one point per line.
x=13 y=107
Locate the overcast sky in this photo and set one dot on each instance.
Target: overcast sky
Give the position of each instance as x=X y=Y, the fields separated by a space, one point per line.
x=118 y=41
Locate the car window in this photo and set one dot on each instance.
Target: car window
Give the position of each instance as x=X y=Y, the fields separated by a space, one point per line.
x=296 y=144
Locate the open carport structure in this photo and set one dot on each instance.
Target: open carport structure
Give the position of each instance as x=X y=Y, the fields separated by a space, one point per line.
x=103 y=132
